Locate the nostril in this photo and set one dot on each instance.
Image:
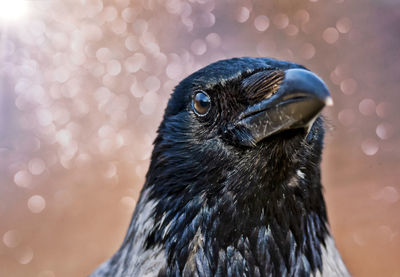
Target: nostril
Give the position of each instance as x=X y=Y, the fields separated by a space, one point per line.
x=262 y=85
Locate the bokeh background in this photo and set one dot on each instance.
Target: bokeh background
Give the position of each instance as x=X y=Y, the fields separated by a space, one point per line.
x=83 y=86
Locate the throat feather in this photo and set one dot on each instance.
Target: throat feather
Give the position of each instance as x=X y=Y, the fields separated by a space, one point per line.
x=284 y=236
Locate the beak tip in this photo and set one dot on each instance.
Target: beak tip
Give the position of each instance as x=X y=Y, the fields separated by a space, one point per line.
x=329 y=101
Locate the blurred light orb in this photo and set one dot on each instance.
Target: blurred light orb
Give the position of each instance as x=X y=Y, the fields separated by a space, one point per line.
x=128 y=202
x=94 y=7
x=136 y=89
x=174 y=71
x=13 y=10
x=106 y=131
x=103 y=54
x=140 y=26
x=23 y=179
x=64 y=137
x=388 y=194
x=292 y=30
x=243 y=15
x=152 y=83
x=12 y=238
x=384 y=130
x=25 y=255
x=302 y=16
x=207 y=19
x=111 y=171
x=188 y=22
x=36 y=166
x=118 y=26
x=135 y=63
x=186 y=10
x=21 y=103
x=110 y=81
x=131 y=43
x=22 y=85
x=214 y=40
x=330 y=35
x=281 y=21
x=174 y=6
x=382 y=109
x=110 y=13
x=149 y=103
x=341 y=70
x=61 y=74
x=348 y=86
x=44 y=117
x=386 y=232
x=113 y=67
x=198 y=47
x=307 y=51
x=370 y=147
x=367 y=106
x=344 y=25
x=129 y=15
x=36 y=204
x=92 y=32
x=261 y=23
x=334 y=78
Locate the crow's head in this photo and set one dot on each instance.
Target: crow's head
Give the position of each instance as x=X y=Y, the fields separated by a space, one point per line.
x=245 y=125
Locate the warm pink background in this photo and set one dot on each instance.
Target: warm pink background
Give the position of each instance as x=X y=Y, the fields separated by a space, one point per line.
x=84 y=84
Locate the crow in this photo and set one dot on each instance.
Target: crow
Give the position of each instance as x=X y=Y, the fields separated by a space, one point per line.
x=234 y=184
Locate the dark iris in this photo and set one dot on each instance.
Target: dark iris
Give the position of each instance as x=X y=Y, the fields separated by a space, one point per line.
x=201 y=103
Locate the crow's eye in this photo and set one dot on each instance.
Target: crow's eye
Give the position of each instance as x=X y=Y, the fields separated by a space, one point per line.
x=201 y=103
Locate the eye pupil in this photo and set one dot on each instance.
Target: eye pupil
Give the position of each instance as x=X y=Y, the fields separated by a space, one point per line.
x=201 y=103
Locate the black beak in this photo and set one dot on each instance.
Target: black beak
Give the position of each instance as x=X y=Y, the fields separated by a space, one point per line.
x=296 y=104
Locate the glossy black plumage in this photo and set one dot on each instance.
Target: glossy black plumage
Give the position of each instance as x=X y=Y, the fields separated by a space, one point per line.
x=222 y=207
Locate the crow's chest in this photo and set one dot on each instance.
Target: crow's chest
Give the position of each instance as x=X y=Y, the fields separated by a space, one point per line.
x=256 y=255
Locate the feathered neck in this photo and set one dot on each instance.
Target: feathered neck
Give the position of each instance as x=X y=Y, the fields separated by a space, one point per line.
x=278 y=228
x=215 y=205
